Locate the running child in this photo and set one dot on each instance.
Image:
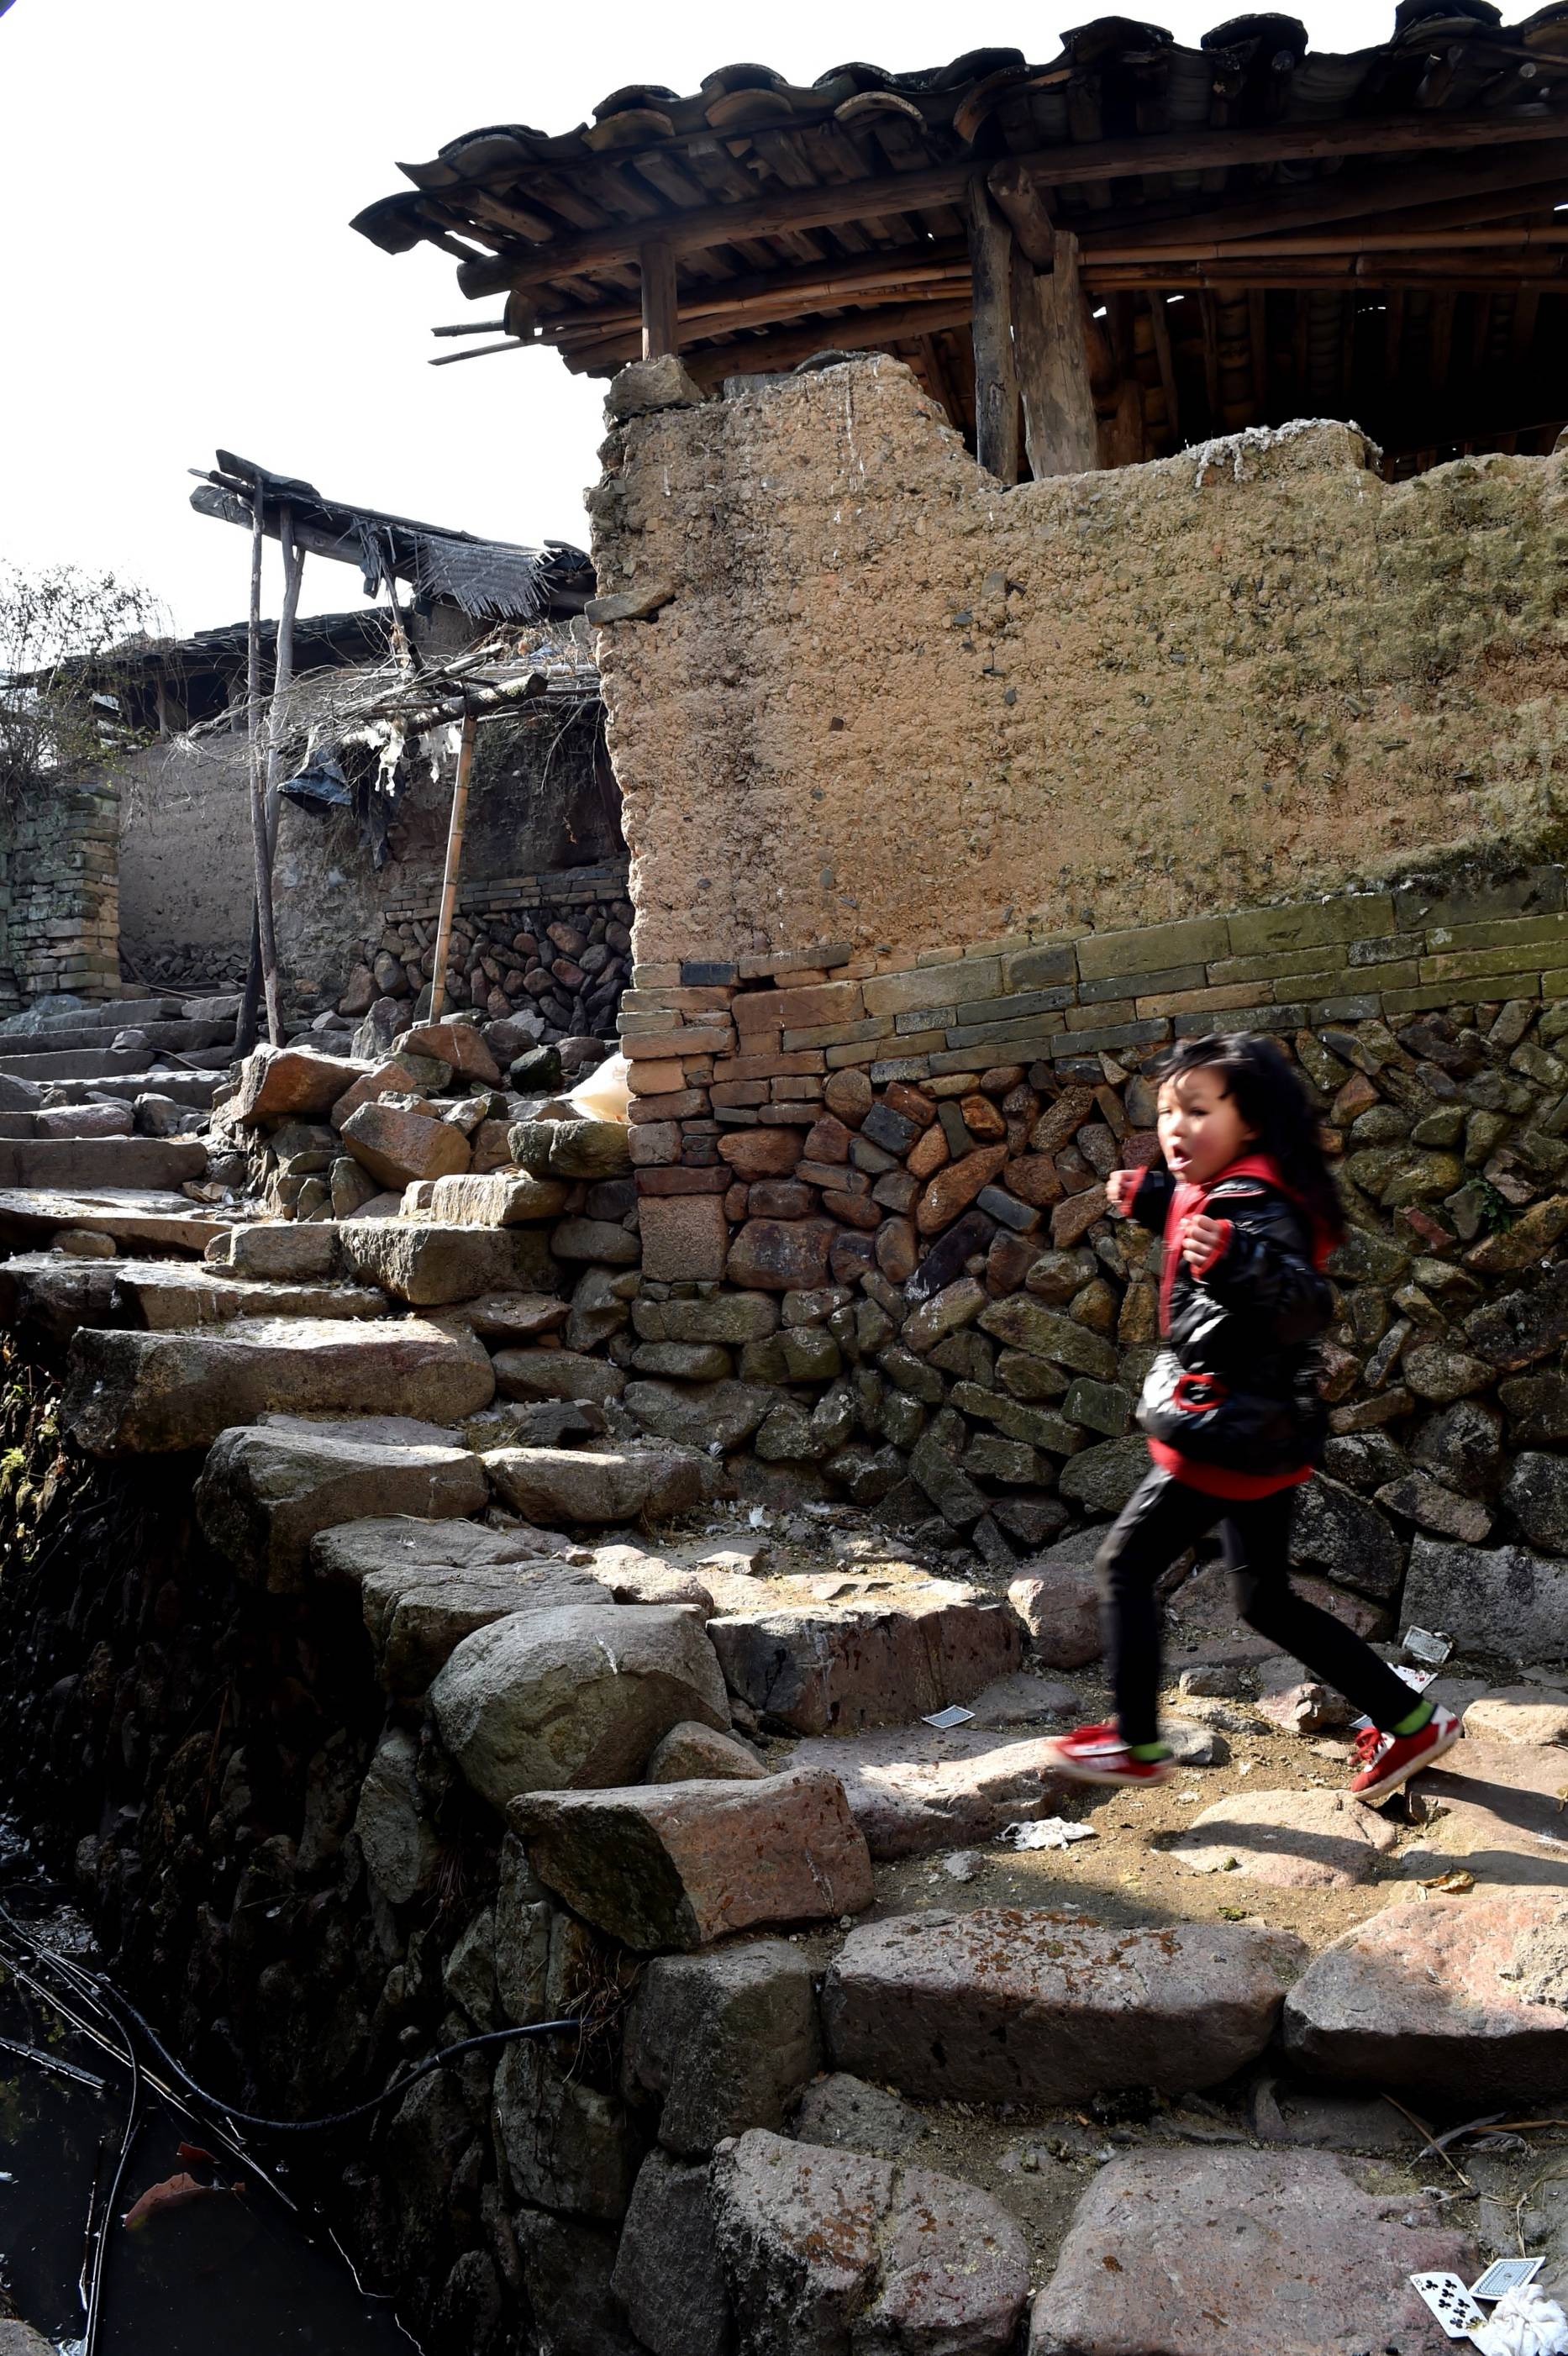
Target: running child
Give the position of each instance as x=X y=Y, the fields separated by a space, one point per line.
x=1248 y=1214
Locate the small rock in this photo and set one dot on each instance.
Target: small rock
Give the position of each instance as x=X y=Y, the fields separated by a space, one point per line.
x=690 y=1752
x=1292 y=1840
x=1529 y=1714
x=725 y=2039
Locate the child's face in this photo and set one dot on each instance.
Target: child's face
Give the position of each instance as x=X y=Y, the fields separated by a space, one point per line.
x=1200 y=1129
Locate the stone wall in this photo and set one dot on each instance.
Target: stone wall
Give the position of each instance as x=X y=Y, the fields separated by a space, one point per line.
x=873 y=698
x=59 y=897
x=541 y=801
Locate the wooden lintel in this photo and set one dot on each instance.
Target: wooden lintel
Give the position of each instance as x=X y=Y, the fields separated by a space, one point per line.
x=1059 y=425
x=1068 y=165
x=991 y=251
x=1017 y=192
x=661 y=308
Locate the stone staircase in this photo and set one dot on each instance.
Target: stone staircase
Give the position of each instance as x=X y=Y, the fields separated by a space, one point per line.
x=840 y=2105
x=101 y=1110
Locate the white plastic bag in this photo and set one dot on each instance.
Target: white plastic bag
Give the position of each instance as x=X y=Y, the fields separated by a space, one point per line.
x=604 y=1095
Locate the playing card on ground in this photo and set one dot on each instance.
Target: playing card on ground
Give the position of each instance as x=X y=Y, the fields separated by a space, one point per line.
x=1451 y=2303
x=1505 y=2275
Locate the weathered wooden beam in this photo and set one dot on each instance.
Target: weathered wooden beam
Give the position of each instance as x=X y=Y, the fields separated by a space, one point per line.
x=990 y=253
x=1162 y=334
x=1016 y=191
x=1059 y=426
x=1069 y=165
x=862 y=331
x=660 y=305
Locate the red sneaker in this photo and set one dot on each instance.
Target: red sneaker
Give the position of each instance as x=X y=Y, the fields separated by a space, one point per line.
x=1097 y=1754
x=1391 y=1759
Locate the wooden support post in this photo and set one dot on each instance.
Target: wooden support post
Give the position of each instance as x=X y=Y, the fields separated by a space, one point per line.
x=661 y=304
x=454 y=862
x=283 y=675
x=263 y=973
x=1060 y=424
x=1162 y=332
x=996 y=372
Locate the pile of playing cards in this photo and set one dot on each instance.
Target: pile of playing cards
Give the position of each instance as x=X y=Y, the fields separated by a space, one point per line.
x=1524 y=2321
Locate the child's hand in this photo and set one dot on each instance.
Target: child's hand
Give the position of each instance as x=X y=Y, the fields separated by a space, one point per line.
x=1203 y=1240
x=1120 y=1189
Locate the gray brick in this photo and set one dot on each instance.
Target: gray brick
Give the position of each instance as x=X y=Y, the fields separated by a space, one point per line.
x=1118 y=1035
x=1243 y=1018
x=948 y=985
x=1094 y=1018
x=1353 y=1009
x=1307 y=923
x=1021 y=1027
x=1386 y=950
x=1535 y=892
x=1152 y=948
x=1141 y=985
x=925 y=1018
x=1038 y=969
x=900 y=1067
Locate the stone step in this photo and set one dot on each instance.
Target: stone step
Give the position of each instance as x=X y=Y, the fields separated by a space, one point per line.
x=74 y=1164
x=130 y=1393
x=834 y=1670
x=172 y=1038
x=1044 y=2006
x=69 y=1120
x=101 y=1062
x=105 y=1014
x=135 y=1215
x=195 y=1088
x=1460 y=2000
x=51 y=1295
x=267 y=1489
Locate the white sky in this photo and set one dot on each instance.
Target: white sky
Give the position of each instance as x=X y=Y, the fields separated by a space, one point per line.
x=176 y=179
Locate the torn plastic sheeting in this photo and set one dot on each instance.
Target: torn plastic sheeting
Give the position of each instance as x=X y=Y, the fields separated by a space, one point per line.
x=1047 y=1832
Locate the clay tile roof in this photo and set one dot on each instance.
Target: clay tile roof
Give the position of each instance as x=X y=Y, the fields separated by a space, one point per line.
x=832 y=213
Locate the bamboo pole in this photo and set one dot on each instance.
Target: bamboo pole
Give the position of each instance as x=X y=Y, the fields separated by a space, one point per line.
x=245 y=1028
x=454 y=861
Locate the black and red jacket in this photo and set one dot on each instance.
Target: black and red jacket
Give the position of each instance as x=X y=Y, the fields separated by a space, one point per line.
x=1232 y=1405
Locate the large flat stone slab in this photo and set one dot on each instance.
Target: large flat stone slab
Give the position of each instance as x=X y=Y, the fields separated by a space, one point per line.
x=266 y=1489
x=648 y=1483
x=546 y=1701
x=1242 y=2253
x=914 y=1791
x=129 y=1394
x=135 y=1216
x=154 y=1296
x=76 y=1164
x=679 y=1865
x=1014 y=2005
x=88 y=1063
x=865 y=1665
x=423 y=1585
x=826 y=2252
x=424 y=1265
x=1507 y=1602
x=1465 y=1999
x=1496 y=1810
x=1292 y=1840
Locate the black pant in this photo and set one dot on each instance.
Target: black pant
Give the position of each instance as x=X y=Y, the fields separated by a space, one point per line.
x=1160 y=1521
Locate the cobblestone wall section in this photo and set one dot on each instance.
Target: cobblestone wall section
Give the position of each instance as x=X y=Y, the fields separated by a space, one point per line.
x=59 y=895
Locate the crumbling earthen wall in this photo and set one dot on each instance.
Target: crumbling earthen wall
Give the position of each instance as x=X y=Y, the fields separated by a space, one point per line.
x=880 y=699
x=541 y=801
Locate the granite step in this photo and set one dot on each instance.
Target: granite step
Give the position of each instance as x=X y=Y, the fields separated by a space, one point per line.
x=148 y=1394
x=182 y=1038
x=151 y=1217
x=195 y=1088
x=76 y=1164
x=47 y=1296
x=87 y=1062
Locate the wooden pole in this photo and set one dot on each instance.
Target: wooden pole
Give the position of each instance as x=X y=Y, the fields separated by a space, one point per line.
x=454 y=861
x=661 y=306
x=996 y=371
x=266 y=940
x=282 y=678
x=245 y=1027
x=1053 y=366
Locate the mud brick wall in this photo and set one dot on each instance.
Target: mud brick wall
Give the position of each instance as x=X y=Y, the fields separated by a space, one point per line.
x=871 y=697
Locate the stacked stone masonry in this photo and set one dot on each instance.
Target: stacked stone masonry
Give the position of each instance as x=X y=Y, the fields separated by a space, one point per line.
x=59 y=895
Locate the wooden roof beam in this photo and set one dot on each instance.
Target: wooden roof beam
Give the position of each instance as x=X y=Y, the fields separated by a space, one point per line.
x=1100 y=159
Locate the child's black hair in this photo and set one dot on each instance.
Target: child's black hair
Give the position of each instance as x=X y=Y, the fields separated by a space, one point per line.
x=1274 y=1105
